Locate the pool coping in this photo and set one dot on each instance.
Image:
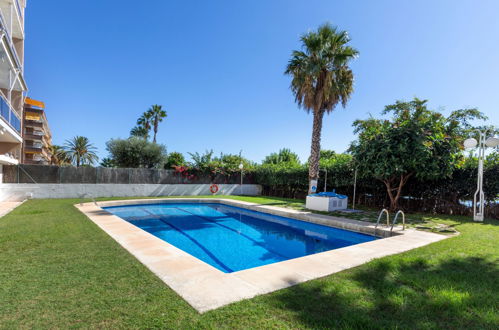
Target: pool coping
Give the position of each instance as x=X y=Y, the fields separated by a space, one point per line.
x=205 y=288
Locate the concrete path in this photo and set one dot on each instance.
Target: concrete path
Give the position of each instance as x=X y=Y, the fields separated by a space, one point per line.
x=6 y=207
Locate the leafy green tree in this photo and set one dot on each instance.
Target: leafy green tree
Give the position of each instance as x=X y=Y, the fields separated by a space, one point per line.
x=157 y=115
x=231 y=162
x=334 y=160
x=107 y=162
x=80 y=151
x=321 y=78
x=283 y=156
x=136 y=152
x=328 y=154
x=415 y=142
x=174 y=159
x=201 y=161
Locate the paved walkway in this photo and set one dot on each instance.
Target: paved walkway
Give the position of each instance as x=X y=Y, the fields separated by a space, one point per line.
x=6 y=207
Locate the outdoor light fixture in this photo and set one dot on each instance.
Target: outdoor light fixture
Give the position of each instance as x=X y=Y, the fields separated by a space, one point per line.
x=470 y=143
x=482 y=143
x=241 y=166
x=492 y=142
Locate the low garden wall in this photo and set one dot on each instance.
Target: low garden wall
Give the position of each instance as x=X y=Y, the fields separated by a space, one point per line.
x=17 y=192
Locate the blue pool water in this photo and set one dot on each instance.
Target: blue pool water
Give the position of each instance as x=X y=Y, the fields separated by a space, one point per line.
x=231 y=238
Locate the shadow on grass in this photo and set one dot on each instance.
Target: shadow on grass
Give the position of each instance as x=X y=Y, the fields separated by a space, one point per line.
x=457 y=293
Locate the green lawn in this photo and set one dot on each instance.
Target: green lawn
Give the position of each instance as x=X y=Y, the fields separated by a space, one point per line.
x=59 y=270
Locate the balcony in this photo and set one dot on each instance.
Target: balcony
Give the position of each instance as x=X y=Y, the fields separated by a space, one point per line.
x=13 y=15
x=36 y=135
x=10 y=34
x=9 y=115
x=35 y=147
x=8 y=159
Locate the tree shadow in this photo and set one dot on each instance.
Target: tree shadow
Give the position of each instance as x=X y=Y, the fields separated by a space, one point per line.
x=457 y=293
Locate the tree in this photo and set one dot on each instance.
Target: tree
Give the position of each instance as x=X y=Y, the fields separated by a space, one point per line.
x=201 y=161
x=321 y=78
x=140 y=132
x=58 y=155
x=174 y=159
x=144 y=122
x=107 y=162
x=136 y=152
x=231 y=162
x=415 y=142
x=283 y=156
x=80 y=151
x=157 y=114
x=330 y=159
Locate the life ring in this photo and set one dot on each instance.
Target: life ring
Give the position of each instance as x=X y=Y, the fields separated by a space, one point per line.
x=214 y=188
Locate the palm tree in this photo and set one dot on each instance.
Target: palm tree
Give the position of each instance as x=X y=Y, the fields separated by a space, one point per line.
x=144 y=122
x=81 y=151
x=157 y=115
x=58 y=155
x=139 y=131
x=321 y=78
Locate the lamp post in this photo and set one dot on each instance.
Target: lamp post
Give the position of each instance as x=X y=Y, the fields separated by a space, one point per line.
x=354 y=188
x=482 y=143
x=241 y=166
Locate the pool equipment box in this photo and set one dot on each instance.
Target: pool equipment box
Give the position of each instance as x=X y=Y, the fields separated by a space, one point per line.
x=326 y=201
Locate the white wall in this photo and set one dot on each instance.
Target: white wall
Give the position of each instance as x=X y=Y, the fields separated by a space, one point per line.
x=15 y=192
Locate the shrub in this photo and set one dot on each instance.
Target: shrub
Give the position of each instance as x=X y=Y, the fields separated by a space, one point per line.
x=174 y=159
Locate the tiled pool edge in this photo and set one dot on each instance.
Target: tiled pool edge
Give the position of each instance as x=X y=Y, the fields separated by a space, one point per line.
x=206 y=288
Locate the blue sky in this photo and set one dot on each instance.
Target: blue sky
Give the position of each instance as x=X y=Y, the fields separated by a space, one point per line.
x=217 y=67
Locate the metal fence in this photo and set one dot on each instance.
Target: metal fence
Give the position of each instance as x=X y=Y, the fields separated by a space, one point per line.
x=98 y=175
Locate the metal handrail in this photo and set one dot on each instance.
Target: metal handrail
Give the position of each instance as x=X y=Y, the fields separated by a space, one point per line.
x=395 y=220
x=82 y=197
x=379 y=218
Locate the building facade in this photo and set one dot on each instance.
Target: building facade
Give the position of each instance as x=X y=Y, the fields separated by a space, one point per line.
x=12 y=84
x=37 y=138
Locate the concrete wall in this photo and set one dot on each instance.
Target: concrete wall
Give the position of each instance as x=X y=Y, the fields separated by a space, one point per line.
x=17 y=192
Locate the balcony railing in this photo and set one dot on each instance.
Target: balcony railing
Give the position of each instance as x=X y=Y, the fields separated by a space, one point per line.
x=18 y=7
x=9 y=115
x=13 y=49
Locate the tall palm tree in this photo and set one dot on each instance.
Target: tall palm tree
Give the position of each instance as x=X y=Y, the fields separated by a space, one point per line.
x=145 y=122
x=321 y=78
x=58 y=155
x=157 y=114
x=81 y=151
x=139 y=131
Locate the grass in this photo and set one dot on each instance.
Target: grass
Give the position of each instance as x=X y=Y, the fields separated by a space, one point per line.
x=59 y=270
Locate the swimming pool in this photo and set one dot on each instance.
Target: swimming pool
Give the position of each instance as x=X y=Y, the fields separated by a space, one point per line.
x=231 y=238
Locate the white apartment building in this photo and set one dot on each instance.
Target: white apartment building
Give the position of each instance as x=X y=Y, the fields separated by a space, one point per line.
x=12 y=84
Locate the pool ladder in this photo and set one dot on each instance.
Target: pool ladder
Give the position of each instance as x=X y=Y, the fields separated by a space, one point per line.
x=388 y=220
x=82 y=197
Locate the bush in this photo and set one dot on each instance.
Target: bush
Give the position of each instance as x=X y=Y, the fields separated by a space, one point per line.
x=174 y=159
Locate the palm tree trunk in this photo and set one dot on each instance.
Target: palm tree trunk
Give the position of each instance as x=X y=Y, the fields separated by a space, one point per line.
x=155 y=131
x=315 y=150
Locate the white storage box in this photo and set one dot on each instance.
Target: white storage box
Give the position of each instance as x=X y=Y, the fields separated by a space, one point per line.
x=326 y=202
